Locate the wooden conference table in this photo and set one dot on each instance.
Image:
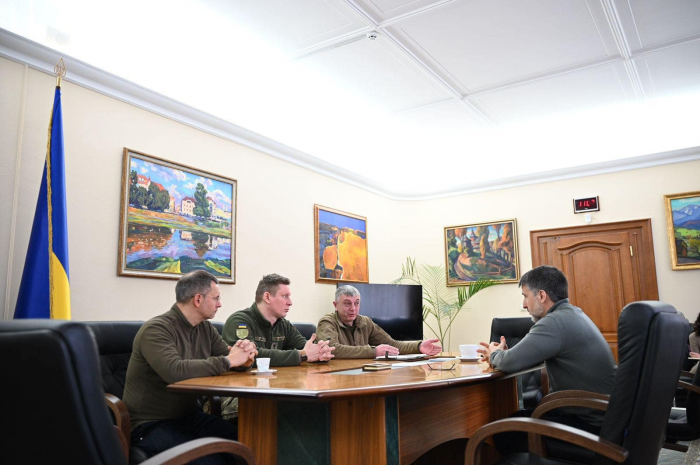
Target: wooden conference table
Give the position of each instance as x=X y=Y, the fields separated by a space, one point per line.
x=315 y=413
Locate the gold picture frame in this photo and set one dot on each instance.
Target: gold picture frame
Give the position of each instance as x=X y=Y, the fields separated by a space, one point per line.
x=340 y=246
x=488 y=250
x=175 y=219
x=683 y=227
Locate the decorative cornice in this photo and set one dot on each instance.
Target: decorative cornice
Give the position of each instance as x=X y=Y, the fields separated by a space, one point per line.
x=42 y=58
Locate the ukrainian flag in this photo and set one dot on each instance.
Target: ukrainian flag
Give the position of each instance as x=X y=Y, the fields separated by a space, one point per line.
x=45 y=290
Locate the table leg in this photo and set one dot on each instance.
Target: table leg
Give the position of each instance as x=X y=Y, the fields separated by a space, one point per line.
x=428 y=419
x=364 y=430
x=257 y=427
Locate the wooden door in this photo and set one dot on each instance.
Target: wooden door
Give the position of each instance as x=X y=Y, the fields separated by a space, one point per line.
x=607 y=265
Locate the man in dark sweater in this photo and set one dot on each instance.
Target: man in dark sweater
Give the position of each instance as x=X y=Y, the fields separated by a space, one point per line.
x=178 y=345
x=565 y=339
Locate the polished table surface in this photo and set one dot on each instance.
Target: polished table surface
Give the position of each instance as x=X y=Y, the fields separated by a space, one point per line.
x=314 y=413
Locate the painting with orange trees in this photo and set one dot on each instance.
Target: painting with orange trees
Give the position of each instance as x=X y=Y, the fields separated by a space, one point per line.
x=340 y=246
x=488 y=250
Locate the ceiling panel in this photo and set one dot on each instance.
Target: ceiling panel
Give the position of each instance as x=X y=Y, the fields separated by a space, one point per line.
x=495 y=42
x=648 y=23
x=450 y=115
x=294 y=25
x=671 y=72
x=376 y=71
x=600 y=86
x=420 y=95
x=386 y=10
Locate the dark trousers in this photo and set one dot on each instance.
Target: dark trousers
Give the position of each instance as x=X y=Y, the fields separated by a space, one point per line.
x=158 y=436
x=512 y=443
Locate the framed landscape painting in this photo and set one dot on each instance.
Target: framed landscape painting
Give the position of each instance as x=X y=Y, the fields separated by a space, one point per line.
x=683 y=223
x=340 y=246
x=175 y=219
x=488 y=250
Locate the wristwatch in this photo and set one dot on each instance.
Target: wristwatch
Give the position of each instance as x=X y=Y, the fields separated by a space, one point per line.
x=303 y=356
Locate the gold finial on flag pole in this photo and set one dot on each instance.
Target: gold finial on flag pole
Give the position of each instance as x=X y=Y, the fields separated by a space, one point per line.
x=60 y=70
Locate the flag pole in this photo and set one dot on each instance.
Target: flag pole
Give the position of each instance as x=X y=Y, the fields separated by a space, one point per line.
x=60 y=71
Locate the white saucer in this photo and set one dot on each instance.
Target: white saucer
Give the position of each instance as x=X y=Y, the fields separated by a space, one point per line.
x=258 y=372
x=469 y=359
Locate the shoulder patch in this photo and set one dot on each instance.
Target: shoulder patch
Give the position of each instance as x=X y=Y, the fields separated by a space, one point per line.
x=242 y=331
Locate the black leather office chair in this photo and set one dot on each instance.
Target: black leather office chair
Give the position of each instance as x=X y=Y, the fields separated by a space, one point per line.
x=651 y=348
x=52 y=403
x=115 y=341
x=306 y=329
x=681 y=393
x=514 y=330
x=684 y=423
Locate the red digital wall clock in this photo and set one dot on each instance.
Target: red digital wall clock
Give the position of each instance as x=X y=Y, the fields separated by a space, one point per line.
x=588 y=204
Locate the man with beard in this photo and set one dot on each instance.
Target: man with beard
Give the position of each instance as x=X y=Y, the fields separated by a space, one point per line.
x=569 y=344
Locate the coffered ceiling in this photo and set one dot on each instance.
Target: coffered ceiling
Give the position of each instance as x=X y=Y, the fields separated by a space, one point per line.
x=408 y=98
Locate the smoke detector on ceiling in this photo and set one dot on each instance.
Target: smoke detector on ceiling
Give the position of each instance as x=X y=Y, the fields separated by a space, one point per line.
x=371 y=35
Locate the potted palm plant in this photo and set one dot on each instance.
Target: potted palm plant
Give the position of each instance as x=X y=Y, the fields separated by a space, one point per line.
x=440 y=305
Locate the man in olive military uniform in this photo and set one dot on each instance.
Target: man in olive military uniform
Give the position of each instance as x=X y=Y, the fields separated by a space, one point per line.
x=265 y=324
x=275 y=337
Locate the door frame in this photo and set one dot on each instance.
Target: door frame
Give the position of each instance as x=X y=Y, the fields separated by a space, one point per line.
x=641 y=241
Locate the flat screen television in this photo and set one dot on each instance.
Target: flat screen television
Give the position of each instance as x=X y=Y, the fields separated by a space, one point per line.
x=398 y=310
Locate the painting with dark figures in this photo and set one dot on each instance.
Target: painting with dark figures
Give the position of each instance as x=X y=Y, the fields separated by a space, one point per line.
x=340 y=246
x=488 y=250
x=175 y=219
x=683 y=223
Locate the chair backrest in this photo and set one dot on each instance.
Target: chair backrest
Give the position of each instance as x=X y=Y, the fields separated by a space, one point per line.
x=306 y=329
x=651 y=350
x=514 y=329
x=692 y=405
x=219 y=326
x=115 y=340
x=50 y=396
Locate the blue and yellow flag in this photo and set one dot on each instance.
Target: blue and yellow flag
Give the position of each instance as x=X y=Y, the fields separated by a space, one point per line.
x=45 y=290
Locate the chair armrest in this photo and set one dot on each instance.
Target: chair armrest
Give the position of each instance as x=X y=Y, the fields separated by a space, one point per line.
x=544 y=382
x=122 y=421
x=189 y=451
x=545 y=428
x=688 y=386
x=676 y=447
x=573 y=393
x=687 y=374
x=535 y=441
x=597 y=404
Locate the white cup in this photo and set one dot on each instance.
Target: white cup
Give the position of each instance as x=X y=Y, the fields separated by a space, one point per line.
x=468 y=350
x=263 y=364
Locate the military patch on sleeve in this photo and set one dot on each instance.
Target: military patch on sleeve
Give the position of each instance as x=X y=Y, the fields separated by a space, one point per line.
x=242 y=331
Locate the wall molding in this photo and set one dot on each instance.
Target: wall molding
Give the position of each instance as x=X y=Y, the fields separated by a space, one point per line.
x=42 y=58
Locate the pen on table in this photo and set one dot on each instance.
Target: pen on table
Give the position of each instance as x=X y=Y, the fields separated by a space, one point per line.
x=386 y=355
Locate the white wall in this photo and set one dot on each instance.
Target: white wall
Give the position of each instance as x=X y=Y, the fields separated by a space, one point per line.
x=275 y=210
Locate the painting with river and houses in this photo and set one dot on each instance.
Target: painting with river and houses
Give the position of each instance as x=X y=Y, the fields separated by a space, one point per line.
x=683 y=223
x=175 y=219
x=488 y=250
x=340 y=246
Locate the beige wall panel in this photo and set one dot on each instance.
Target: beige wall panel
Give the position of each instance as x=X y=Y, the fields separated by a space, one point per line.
x=624 y=196
x=12 y=79
x=275 y=213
